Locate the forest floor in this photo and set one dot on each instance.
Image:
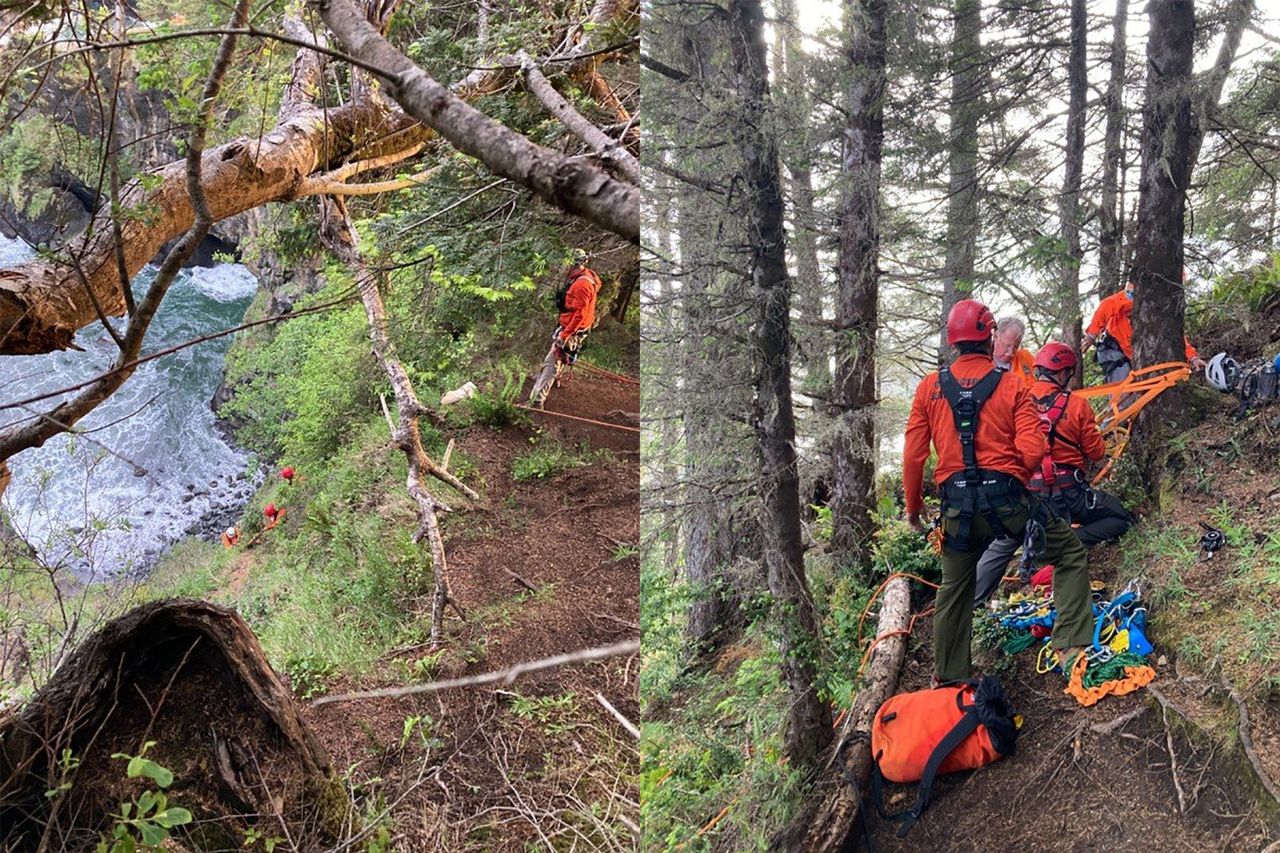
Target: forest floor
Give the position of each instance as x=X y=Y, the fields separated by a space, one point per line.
x=539 y=761
x=1175 y=776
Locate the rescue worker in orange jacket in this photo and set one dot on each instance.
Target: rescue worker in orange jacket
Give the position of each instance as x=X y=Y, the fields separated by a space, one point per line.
x=987 y=435
x=1073 y=441
x=1009 y=353
x=1114 y=316
x=576 y=301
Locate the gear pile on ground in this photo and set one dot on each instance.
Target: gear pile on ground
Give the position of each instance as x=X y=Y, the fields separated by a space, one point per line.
x=1116 y=662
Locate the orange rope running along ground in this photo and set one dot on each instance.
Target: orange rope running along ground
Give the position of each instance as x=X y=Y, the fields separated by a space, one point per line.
x=576 y=418
x=591 y=368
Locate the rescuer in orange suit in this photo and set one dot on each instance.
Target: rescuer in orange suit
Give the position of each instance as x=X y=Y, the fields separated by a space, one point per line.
x=576 y=301
x=987 y=435
x=1073 y=442
x=1114 y=316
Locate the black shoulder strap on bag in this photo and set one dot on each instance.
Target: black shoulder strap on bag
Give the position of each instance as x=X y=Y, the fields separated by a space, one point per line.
x=563 y=293
x=965 y=404
x=964 y=727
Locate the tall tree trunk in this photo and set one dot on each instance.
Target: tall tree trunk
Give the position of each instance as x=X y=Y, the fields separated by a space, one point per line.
x=962 y=200
x=797 y=154
x=710 y=456
x=854 y=391
x=1109 y=216
x=808 y=718
x=1159 y=301
x=1069 y=204
x=664 y=314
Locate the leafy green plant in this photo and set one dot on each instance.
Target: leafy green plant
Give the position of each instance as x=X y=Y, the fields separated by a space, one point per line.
x=144 y=823
x=252 y=836
x=308 y=674
x=495 y=407
x=546 y=461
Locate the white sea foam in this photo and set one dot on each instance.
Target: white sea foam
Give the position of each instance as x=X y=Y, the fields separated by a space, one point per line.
x=151 y=467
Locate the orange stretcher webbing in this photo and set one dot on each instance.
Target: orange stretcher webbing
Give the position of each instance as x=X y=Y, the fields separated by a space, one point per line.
x=1126 y=399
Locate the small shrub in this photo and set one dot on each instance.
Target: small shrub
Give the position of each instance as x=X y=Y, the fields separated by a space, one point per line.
x=545 y=461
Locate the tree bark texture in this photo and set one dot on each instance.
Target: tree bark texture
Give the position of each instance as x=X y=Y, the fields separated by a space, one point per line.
x=1159 y=301
x=824 y=821
x=809 y=718
x=1069 y=319
x=1110 y=229
x=569 y=183
x=853 y=399
x=962 y=142
x=189 y=675
x=43 y=303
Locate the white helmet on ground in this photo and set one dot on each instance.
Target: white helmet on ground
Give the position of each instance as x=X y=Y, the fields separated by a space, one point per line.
x=1222 y=371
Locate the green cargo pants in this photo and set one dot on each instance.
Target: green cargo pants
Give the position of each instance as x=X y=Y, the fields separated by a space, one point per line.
x=953 y=618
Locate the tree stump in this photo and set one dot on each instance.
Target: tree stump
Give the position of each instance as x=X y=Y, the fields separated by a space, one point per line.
x=190 y=676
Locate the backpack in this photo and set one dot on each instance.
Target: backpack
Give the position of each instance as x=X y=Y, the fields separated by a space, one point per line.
x=563 y=292
x=916 y=736
x=1257 y=384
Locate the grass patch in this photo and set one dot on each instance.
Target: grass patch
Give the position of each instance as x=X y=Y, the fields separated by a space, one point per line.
x=549 y=458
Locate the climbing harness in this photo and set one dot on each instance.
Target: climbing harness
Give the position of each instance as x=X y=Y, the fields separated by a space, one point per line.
x=1212 y=540
x=973 y=489
x=1125 y=399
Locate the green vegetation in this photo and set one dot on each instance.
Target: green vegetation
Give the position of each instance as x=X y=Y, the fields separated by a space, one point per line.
x=549 y=458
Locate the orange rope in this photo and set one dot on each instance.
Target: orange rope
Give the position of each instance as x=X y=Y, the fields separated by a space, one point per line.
x=576 y=418
x=911 y=626
x=618 y=376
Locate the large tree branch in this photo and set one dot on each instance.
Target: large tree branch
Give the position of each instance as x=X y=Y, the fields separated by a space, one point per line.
x=1211 y=84
x=43 y=304
x=338 y=234
x=567 y=182
x=608 y=149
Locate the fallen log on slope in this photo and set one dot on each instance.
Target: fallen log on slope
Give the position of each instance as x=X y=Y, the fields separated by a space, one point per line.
x=190 y=676
x=828 y=815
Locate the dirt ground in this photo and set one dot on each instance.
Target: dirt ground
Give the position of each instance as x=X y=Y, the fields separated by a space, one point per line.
x=538 y=762
x=1072 y=787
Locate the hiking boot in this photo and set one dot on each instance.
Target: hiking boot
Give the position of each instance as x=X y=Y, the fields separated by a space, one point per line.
x=1067 y=658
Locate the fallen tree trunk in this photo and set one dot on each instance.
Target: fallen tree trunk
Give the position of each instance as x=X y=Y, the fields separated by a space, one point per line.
x=43 y=302
x=827 y=817
x=190 y=676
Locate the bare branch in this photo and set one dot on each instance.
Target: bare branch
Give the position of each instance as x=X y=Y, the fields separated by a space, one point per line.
x=502 y=676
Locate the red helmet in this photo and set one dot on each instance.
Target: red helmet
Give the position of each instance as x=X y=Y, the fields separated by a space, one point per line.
x=270 y=510
x=1056 y=356
x=970 y=320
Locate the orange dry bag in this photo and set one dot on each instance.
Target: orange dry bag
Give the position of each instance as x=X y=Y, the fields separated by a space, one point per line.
x=916 y=736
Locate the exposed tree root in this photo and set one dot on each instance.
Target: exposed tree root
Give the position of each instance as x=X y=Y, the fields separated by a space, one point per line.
x=191 y=676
